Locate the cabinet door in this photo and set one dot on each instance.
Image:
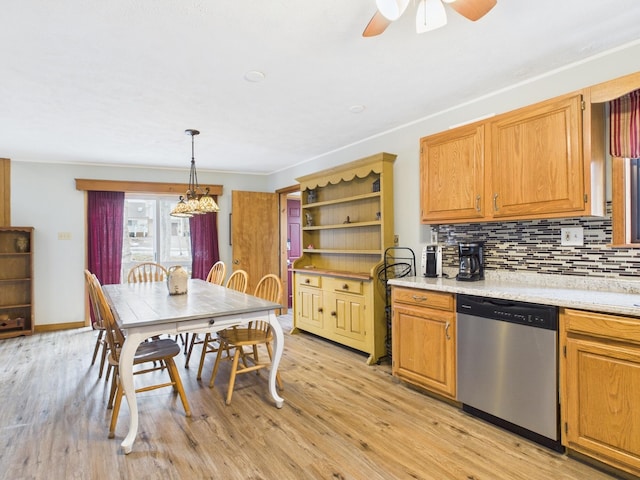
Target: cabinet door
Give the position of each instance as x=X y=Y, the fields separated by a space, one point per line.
x=452 y=174
x=309 y=309
x=536 y=160
x=424 y=348
x=348 y=316
x=602 y=392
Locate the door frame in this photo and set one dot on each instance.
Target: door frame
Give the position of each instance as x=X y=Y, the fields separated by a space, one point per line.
x=283 y=193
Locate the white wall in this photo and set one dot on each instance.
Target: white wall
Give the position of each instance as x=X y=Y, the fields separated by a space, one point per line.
x=59 y=207
x=404 y=141
x=59 y=264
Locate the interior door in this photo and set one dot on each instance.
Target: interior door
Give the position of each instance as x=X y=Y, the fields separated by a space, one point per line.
x=293 y=241
x=255 y=239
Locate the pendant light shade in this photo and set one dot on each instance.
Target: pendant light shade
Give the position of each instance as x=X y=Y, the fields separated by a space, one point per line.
x=196 y=200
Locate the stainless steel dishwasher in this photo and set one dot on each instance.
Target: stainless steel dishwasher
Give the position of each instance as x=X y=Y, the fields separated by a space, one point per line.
x=508 y=365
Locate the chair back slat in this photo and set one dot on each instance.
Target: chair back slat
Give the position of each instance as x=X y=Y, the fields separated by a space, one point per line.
x=217 y=273
x=269 y=288
x=147 y=272
x=238 y=281
x=115 y=336
x=96 y=319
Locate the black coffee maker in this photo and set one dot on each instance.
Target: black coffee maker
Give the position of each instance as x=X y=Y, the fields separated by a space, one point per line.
x=471 y=261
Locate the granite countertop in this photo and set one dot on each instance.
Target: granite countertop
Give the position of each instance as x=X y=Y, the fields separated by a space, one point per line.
x=608 y=295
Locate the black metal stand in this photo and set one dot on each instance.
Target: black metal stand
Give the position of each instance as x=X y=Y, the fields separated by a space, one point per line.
x=398 y=262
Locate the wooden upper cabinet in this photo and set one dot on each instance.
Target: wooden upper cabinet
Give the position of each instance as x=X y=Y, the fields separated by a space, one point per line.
x=452 y=174
x=536 y=160
x=541 y=161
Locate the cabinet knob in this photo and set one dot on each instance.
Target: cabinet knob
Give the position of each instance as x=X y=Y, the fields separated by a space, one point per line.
x=320 y=310
x=345 y=287
x=334 y=314
x=495 y=202
x=477 y=203
x=308 y=280
x=419 y=298
x=446 y=330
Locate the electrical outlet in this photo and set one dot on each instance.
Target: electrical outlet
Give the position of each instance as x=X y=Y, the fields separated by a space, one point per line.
x=573 y=236
x=396 y=240
x=434 y=237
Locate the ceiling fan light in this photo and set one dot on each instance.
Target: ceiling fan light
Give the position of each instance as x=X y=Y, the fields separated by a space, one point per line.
x=431 y=15
x=392 y=9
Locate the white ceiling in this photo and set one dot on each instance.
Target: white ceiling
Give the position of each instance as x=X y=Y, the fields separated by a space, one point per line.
x=119 y=81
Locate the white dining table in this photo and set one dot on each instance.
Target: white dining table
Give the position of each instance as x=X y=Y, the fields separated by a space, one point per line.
x=146 y=309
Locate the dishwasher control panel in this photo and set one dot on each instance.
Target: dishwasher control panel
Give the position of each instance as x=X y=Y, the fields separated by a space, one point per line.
x=512 y=311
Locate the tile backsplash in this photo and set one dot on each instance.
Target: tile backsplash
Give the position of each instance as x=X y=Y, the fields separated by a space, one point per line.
x=534 y=246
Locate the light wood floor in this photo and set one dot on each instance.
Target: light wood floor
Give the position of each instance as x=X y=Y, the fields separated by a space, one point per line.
x=341 y=420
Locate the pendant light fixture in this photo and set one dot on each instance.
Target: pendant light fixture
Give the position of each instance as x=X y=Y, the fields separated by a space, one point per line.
x=196 y=200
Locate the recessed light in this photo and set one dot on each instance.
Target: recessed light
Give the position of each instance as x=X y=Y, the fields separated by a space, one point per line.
x=357 y=108
x=254 y=76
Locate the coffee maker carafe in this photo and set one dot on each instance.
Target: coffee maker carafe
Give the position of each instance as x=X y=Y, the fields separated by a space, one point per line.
x=471 y=261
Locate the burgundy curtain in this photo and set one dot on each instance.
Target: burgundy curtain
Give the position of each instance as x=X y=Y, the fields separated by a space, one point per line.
x=624 y=129
x=105 y=223
x=204 y=244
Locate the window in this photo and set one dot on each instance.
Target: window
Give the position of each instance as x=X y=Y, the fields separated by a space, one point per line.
x=152 y=235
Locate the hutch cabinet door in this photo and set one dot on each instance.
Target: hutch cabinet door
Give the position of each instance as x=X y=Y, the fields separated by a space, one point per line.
x=348 y=316
x=309 y=308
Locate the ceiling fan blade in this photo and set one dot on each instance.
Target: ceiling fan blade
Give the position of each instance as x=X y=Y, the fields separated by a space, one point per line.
x=376 y=25
x=431 y=15
x=472 y=9
x=392 y=9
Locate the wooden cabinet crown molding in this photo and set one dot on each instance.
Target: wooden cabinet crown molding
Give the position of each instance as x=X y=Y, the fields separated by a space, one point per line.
x=346 y=172
x=607 y=91
x=139 y=187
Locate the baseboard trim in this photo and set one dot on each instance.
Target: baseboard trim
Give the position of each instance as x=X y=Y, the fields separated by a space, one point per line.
x=54 y=327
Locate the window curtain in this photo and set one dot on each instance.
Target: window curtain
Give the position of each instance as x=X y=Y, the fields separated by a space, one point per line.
x=624 y=129
x=204 y=244
x=105 y=213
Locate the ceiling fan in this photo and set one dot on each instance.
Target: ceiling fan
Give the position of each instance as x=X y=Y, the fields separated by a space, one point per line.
x=430 y=15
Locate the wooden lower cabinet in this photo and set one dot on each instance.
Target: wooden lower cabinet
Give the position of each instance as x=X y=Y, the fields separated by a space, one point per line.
x=423 y=339
x=310 y=309
x=346 y=310
x=600 y=387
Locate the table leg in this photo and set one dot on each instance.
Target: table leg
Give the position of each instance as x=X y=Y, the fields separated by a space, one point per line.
x=278 y=344
x=127 y=354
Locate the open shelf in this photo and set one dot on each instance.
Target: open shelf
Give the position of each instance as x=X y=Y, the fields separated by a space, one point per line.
x=16 y=281
x=342 y=225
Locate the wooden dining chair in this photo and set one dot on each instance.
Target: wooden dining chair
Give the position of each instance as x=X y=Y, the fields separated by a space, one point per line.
x=153 y=272
x=255 y=334
x=159 y=353
x=238 y=281
x=217 y=273
x=101 y=345
x=147 y=272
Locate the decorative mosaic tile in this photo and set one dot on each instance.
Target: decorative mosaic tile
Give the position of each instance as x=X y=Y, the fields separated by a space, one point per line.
x=534 y=246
